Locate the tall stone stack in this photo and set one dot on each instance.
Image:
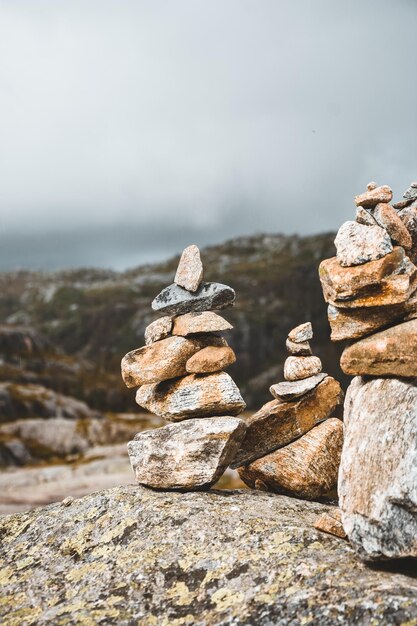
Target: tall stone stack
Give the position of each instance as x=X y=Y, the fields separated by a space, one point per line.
x=179 y=375
x=293 y=444
x=370 y=287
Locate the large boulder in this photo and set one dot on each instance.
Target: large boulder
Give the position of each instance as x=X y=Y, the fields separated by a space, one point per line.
x=130 y=555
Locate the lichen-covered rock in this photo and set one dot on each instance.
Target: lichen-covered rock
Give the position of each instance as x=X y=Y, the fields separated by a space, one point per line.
x=189 y=455
x=331 y=522
x=390 y=352
x=297 y=388
x=306 y=468
x=300 y=367
x=131 y=555
x=374 y=196
x=174 y=300
x=190 y=269
x=159 y=329
x=278 y=423
x=388 y=218
x=192 y=396
x=301 y=333
x=357 y=244
x=205 y=322
x=378 y=472
x=210 y=359
x=298 y=349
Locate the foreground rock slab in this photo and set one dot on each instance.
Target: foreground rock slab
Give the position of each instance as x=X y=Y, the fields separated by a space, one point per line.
x=190 y=269
x=378 y=472
x=130 y=555
x=174 y=300
x=357 y=244
x=188 y=455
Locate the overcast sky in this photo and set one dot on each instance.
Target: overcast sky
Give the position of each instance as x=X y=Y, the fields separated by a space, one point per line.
x=130 y=128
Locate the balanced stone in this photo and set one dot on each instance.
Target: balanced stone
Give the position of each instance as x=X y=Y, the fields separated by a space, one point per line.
x=210 y=359
x=159 y=329
x=306 y=468
x=159 y=361
x=205 y=322
x=372 y=197
x=331 y=522
x=190 y=269
x=174 y=300
x=356 y=323
x=301 y=333
x=390 y=352
x=290 y=390
x=189 y=455
x=192 y=396
x=278 y=423
x=409 y=218
x=357 y=244
x=298 y=349
x=300 y=367
x=363 y=216
x=378 y=472
x=388 y=218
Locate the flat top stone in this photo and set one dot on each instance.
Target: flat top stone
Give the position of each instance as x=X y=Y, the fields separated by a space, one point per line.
x=174 y=300
x=297 y=388
x=190 y=269
x=301 y=333
x=356 y=243
x=373 y=196
x=204 y=322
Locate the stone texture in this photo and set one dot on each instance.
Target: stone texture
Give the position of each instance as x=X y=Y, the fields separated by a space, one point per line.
x=298 y=349
x=371 y=185
x=190 y=269
x=388 y=218
x=278 y=423
x=159 y=329
x=378 y=472
x=357 y=244
x=301 y=333
x=306 y=468
x=300 y=367
x=192 y=396
x=363 y=216
x=131 y=555
x=210 y=359
x=409 y=218
x=357 y=323
x=331 y=522
x=390 y=352
x=372 y=197
x=290 y=390
x=174 y=300
x=188 y=455
x=159 y=361
x=347 y=283
x=193 y=323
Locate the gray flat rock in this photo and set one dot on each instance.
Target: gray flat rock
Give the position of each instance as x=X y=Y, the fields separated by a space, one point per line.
x=296 y=389
x=357 y=244
x=175 y=300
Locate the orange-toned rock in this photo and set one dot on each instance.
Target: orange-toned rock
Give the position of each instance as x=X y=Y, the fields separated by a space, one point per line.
x=300 y=367
x=390 y=352
x=357 y=323
x=388 y=217
x=298 y=349
x=210 y=359
x=205 y=322
x=331 y=522
x=159 y=329
x=278 y=423
x=301 y=333
x=372 y=197
x=190 y=269
x=306 y=468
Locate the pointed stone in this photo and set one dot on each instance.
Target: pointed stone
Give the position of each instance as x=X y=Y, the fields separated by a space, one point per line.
x=388 y=218
x=205 y=322
x=159 y=329
x=372 y=197
x=192 y=396
x=288 y=391
x=331 y=522
x=175 y=300
x=210 y=359
x=300 y=367
x=298 y=349
x=357 y=244
x=306 y=468
x=301 y=333
x=278 y=423
x=190 y=269
x=189 y=455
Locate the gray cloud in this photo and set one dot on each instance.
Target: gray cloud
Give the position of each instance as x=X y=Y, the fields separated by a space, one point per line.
x=165 y=122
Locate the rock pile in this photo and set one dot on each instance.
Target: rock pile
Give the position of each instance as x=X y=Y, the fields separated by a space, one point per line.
x=180 y=377
x=293 y=444
x=370 y=287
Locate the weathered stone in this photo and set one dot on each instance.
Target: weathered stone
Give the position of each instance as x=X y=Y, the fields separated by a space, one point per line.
x=210 y=359
x=411 y=192
x=390 y=352
x=371 y=186
x=175 y=300
x=388 y=218
x=346 y=283
x=357 y=244
x=298 y=349
x=409 y=218
x=378 y=472
x=159 y=329
x=372 y=197
x=363 y=216
x=290 y=390
x=300 y=367
x=278 y=423
x=189 y=455
x=192 y=396
x=131 y=555
x=301 y=333
x=356 y=323
x=159 y=361
x=193 y=323
x=190 y=269
x=306 y=468
x=331 y=522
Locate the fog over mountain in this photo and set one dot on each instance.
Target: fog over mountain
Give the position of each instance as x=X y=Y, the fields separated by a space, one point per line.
x=130 y=128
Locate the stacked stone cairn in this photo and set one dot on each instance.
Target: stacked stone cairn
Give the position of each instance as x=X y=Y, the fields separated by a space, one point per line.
x=179 y=375
x=371 y=290
x=293 y=443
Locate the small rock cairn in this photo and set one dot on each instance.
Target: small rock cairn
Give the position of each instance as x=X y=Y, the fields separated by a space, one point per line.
x=293 y=444
x=371 y=290
x=181 y=379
